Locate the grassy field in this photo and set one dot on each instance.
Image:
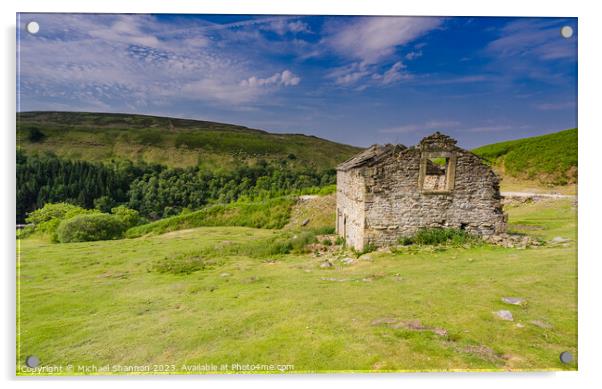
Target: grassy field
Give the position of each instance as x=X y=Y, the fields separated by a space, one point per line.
x=169 y=141
x=548 y=159
x=104 y=303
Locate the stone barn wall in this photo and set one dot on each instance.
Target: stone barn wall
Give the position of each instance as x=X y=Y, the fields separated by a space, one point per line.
x=404 y=192
x=350 y=207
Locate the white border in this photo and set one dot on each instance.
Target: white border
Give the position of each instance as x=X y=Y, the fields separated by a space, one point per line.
x=590 y=191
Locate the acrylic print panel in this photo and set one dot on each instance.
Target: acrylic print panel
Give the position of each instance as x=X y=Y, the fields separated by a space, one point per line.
x=291 y=194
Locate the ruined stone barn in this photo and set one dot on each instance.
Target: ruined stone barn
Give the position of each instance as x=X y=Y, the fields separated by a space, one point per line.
x=387 y=192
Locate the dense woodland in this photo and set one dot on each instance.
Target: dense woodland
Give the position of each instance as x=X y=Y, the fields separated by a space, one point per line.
x=154 y=190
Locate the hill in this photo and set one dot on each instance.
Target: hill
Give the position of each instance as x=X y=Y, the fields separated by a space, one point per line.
x=169 y=141
x=549 y=159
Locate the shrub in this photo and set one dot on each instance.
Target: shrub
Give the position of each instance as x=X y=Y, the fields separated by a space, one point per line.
x=86 y=228
x=185 y=263
x=35 y=135
x=439 y=236
x=327 y=242
x=299 y=241
x=129 y=217
x=47 y=219
x=339 y=240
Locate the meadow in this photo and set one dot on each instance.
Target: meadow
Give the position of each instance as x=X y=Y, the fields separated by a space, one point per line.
x=115 y=304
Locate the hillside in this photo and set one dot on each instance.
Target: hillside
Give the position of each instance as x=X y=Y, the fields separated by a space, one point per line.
x=548 y=159
x=169 y=141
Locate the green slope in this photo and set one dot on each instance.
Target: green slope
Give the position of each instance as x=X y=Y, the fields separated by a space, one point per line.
x=549 y=159
x=168 y=141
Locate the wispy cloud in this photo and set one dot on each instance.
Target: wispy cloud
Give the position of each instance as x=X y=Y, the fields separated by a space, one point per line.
x=134 y=60
x=534 y=38
x=372 y=39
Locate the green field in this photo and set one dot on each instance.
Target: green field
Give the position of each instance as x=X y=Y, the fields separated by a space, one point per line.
x=169 y=141
x=548 y=159
x=105 y=303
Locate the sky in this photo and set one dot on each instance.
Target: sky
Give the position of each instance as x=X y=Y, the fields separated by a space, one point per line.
x=354 y=80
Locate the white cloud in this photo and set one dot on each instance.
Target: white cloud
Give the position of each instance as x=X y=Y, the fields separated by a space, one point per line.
x=413 y=55
x=393 y=74
x=283 y=26
x=366 y=75
x=371 y=39
x=135 y=61
x=285 y=78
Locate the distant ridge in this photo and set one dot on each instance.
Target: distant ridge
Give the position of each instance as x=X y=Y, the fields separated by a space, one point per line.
x=174 y=142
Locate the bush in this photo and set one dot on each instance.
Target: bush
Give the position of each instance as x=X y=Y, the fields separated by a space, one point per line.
x=299 y=241
x=35 y=135
x=339 y=240
x=86 y=228
x=439 y=236
x=129 y=217
x=47 y=219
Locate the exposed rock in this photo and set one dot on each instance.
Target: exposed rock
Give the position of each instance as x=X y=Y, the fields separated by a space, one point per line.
x=480 y=351
x=514 y=300
x=348 y=261
x=334 y=279
x=512 y=240
x=305 y=222
x=504 y=315
x=225 y=275
x=384 y=320
x=326 y=264
x=520 y=325
x=413 y=325
x=541 y=324
x=560 y=239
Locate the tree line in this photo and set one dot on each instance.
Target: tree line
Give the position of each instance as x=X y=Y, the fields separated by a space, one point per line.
x=155 y=191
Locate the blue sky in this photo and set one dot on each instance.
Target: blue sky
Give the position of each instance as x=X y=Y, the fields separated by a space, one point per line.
x=355 y=80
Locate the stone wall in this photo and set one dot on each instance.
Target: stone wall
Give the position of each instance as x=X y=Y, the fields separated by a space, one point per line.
x=351 y=207
x=387 y=200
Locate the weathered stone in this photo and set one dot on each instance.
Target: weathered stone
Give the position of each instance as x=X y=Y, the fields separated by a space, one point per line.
x=305 y=222
x=504 y=315
x=348 y=261
x=560 y=239
x=326 y=264
x=541 y=324
x=514 y=300
x=512 y=241
x=391 y=191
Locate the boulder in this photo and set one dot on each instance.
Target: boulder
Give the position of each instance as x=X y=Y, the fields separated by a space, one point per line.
x=504 y=315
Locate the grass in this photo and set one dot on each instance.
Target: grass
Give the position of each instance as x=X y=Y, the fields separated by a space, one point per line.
x=101 y=303
x=549 y=159
x=273 y=213
x=170 y=141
